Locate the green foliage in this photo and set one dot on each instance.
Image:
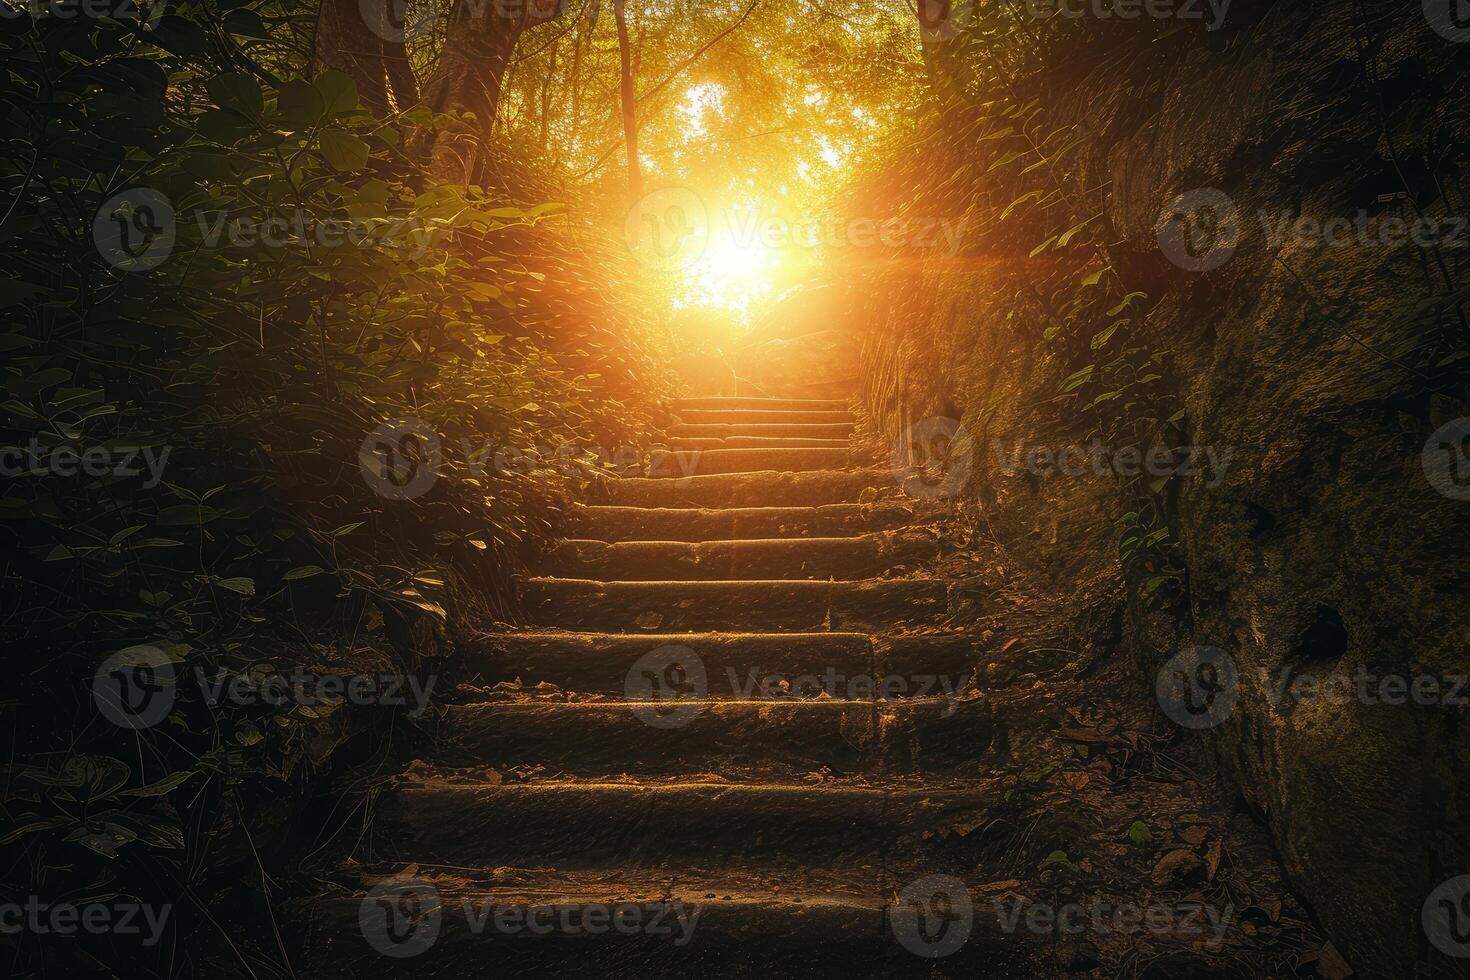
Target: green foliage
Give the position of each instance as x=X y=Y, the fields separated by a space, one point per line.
x=307 y=289
x=994 y=153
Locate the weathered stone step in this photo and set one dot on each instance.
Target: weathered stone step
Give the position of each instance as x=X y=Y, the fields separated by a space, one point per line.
x=660 y=737
x=612 y=524
x=581 y=923
x=763 y=404
x=746 y=416
x=768 y=488
x=633 y=824
x=833 y=431
x=741 y=606
x=756 y=442
x=603 y=662
x=684 y=464
x=800 y=558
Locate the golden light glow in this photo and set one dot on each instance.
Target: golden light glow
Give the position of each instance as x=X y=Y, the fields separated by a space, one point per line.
x=736 y=272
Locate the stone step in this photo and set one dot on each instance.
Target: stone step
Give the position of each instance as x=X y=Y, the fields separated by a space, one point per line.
x=747 y=416
x=582 y=923
x=685 y=464
x=833 y=431
x=604 y=663
x=760 y=606
x=653 y=824
x=756 y=442
x=802 y=558
x=665 y=738
x=763 y=404
x=768 y=488
x=613 y=524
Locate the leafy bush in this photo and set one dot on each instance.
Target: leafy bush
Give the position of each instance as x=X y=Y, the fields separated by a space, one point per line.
x=221 y=284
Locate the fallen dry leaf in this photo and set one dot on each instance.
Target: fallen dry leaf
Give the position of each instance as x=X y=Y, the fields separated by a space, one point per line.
x=1212 y=859
x=1331 y=965
x=1194 y=835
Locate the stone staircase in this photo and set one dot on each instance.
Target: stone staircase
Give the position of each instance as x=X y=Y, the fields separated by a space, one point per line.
x=737 y=702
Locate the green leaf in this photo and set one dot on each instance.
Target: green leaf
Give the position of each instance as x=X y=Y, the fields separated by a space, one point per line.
x=346 y=529
x=238 y=91
x=35 y=826
x=1042 y=247
x=1030 y=196
x=124 y=534
x=224 y=126
x=240 y=584
x=343 y=150
x=1101 y=338
x=303 y=571
x=338 y=91
x=1071 y=233
x=1125 y=302
x=164 y=786
x=247 y=734
x=300 y=104
x=1140 y=834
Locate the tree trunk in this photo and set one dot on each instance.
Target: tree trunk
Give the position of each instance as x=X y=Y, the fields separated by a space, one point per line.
x=468 y=77
x=629 y=100
x=401 y=83
x=347 y=42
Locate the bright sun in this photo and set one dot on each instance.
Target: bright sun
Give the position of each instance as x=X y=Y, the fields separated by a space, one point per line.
x=735 y=273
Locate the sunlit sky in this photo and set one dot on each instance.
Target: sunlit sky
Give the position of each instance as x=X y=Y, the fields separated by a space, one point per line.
x=762 y=240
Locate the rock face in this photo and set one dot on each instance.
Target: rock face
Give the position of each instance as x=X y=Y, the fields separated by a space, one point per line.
x=1321 y=555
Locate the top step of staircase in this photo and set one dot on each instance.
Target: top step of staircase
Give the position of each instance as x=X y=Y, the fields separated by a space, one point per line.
x=762 y=404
